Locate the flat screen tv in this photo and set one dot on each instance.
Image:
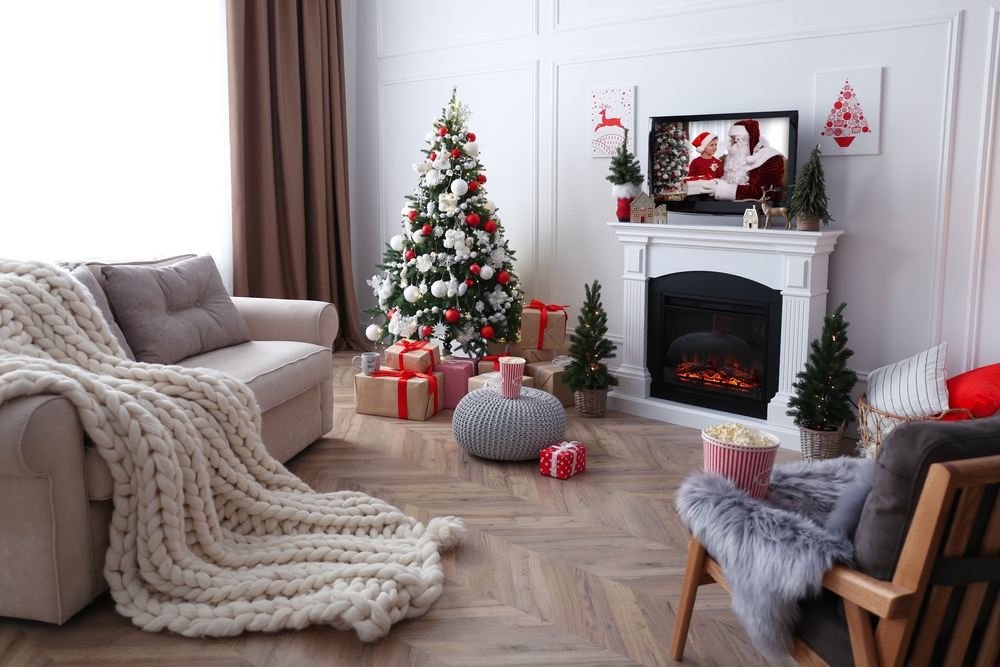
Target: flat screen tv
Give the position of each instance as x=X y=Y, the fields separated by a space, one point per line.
x=717 y=163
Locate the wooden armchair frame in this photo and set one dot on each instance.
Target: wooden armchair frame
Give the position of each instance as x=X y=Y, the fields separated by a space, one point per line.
x=883 y=616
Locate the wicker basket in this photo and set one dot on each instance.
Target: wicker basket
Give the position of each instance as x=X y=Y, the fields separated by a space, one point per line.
x=590 y=402
x=819 y=445
x=875 y=424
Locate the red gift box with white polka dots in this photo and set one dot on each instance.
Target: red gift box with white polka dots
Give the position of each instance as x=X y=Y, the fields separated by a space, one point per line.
x=563 y=460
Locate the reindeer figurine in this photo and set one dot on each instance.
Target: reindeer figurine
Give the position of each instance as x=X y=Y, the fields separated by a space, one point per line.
x=772 y=211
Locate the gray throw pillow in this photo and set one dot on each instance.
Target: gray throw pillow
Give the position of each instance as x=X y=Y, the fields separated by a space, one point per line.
x=846 y=513
x=84 y=275
x=172 y=312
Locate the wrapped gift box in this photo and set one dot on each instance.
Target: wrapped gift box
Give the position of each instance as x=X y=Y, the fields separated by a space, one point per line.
x=512 y=350
x=543 y=326
x=480 y=381
x=563 y=460
x=457 y=373
x=400 y=394
x=548 y=376
x=419 y=356
x=490 y=363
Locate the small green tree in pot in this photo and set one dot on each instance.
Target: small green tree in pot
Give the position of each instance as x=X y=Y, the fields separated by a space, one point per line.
x=822 y=405
x=587 y=374
x=626 y=180
x=809 y=202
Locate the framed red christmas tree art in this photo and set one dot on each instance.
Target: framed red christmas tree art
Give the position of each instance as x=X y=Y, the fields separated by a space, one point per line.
x=848 y=110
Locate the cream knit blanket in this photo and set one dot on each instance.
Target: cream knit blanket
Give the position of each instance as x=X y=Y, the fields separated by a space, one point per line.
x=210 y=535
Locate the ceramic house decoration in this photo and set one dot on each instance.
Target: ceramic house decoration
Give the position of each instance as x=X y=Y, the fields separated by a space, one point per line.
x=643 y=209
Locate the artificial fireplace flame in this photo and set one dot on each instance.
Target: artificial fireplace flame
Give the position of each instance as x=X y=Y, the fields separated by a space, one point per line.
x=728 y=376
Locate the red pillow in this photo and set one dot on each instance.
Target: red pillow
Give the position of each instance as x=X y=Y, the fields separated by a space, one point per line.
x=977 y=390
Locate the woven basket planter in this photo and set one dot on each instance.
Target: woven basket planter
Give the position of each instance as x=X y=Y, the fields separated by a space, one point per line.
x=819 y=445
x=590 y=402
x=807 y=224
x=875 y=424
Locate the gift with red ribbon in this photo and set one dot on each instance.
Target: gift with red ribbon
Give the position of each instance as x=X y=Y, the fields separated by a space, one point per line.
x=401 y=394
x=548 y=376
x=563 y=460
x=512 y=350
x=489 y=363
x=543 y=326
x=419 y=356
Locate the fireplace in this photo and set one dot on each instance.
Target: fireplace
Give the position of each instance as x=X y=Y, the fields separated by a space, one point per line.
x=714 y=341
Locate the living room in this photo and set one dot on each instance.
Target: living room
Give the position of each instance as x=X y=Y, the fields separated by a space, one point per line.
x=462 y=276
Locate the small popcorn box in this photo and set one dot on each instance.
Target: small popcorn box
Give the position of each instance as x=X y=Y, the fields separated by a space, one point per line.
x=492 y=380
x=512 y=350
x=419 y=356
x=548 y=376
x=400 y=394
x=563 y=460
x=543 y=326
x=457 y=372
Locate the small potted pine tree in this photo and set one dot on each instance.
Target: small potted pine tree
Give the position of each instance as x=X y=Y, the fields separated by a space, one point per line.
x=626 y=180
x=809 y=202
x=587 y=374
x=822 y=404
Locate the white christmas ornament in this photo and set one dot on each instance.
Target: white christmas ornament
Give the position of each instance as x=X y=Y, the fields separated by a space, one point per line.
x=424 y=264
x=417 y=236
x=489 y=206
x=441 y=162
x=385 y=291
x=447 y=201
x=412 y=293
x=459 y=187
x=462 y=289
x=396 y=243
x=439 y=288
x=471 y=149
x=373 y=332
x=433 y=177
x=422 y=167
x=486 y=272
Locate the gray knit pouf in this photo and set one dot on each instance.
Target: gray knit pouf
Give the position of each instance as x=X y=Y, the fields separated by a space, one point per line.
x=508 y=429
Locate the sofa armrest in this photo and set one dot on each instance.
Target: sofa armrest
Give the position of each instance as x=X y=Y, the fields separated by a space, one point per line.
x=305 y=321
x=882 y=598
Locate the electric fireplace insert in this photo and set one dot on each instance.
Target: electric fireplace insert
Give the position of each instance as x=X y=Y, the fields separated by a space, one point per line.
x=714 y=341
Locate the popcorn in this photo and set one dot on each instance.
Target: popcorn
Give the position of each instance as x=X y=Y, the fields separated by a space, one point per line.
x=738 y=434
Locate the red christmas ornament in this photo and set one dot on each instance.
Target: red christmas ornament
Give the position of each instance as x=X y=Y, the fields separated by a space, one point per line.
x=410 y=254
x=426 y=331
x=481 y=178
x=472 y=219
x=470 y=136
x=487 y=332
x=426 y=230
x=412 y=214
x=490 y=226
x=455 y=153
x=452 y=315
x=474 y=269
x=469 y=282
x=503 y=277
x=473 y=186
x=442 y=131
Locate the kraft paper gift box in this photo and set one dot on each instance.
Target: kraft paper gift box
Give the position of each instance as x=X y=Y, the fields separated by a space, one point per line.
x=420 y=356
x=489 y=363
x=543 y=326
x=512 y=350
x=493 y=379
x=457 y=373
x=400 y=394
x=548 y=376
x=563 y=460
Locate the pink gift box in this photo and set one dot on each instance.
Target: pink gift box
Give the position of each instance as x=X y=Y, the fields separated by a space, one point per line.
x=457 y=371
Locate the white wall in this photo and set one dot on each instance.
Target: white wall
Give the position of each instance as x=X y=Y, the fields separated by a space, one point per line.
x=921 y=258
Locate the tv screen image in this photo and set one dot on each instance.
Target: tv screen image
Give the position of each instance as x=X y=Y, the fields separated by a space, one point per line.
x=718 y=163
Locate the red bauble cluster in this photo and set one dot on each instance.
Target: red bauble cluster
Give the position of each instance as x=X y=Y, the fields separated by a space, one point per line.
x=442 y=131
x=452 y=315
x=487 y=332
x=503 y=277
x=490 y=226
x=472 y=219
x=456 y=153
x=410 y=254
x=426 y=230
x=473 y=186
x=481 y=178
x=412 y=215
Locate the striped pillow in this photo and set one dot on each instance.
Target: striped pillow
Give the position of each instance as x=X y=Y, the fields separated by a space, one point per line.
x=914 y=387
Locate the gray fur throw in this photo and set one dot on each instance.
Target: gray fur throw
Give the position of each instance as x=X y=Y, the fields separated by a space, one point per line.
x=775 y=551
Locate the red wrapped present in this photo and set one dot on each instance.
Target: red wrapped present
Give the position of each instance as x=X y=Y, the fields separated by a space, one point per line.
x=563 y=460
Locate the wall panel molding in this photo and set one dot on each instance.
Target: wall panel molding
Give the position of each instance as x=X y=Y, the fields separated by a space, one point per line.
x=666 y=11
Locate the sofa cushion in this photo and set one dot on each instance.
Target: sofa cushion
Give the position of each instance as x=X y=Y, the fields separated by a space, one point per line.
x=914 y=387
x=900 y=470
x=275 y=370
x=977 y=391
x=85 y=276
x=172 y=312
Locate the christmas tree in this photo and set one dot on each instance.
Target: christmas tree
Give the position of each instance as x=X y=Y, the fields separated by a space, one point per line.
x=809 y=192
x=588 y=346
x=671 y=159
x=449 y=273
x=625 y=168
x=822 y=399
x=846 y=118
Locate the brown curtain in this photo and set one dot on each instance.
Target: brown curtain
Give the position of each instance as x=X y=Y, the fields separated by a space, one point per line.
x=291 y=227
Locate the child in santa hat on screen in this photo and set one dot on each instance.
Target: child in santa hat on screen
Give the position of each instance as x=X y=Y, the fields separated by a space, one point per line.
x=706 y=166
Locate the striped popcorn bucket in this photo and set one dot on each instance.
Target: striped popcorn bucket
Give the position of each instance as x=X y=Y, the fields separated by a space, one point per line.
x=748 y=468
x=511 y=375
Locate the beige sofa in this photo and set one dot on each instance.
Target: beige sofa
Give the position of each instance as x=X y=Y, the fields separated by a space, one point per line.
x=55 y=490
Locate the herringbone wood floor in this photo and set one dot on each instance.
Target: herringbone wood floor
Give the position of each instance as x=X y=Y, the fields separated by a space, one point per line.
x=578 y=572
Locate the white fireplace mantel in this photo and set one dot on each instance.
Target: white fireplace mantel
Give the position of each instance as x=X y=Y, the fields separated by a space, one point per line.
x=792 y=262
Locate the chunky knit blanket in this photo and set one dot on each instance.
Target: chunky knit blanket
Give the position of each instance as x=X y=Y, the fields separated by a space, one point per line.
x=210 y=535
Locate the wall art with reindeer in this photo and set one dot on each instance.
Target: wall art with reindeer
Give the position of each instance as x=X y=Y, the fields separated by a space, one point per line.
x=612 y=111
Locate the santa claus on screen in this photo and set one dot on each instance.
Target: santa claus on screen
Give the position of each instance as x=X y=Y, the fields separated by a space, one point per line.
x=752 y=166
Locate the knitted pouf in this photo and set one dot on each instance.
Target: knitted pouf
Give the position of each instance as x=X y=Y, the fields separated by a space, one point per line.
x=508 y=429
